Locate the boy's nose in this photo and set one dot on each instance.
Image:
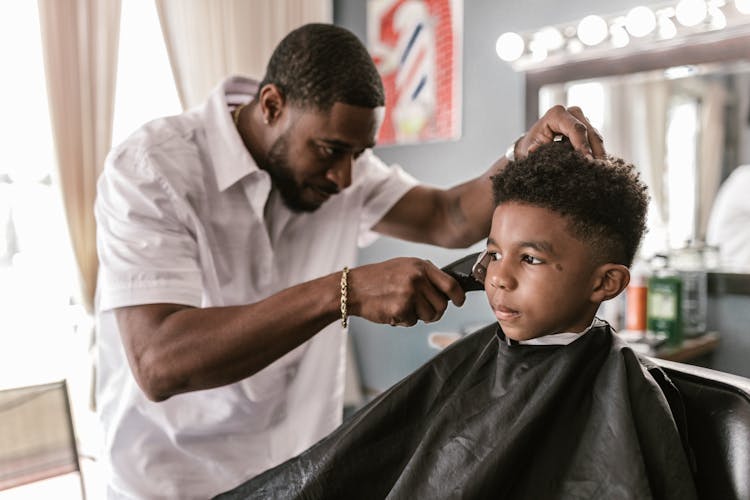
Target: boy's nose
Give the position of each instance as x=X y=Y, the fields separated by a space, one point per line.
x=500 y=276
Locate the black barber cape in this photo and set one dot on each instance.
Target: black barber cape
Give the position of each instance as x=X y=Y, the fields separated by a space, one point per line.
x=484 y=419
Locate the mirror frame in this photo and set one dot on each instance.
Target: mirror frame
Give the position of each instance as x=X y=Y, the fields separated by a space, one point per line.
x=698 y=49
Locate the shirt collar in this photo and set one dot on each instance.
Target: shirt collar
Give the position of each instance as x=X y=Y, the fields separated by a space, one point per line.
x=232 y=160
x=562 y=338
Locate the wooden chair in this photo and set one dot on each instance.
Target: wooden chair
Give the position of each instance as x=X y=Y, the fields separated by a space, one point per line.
x=37 y=438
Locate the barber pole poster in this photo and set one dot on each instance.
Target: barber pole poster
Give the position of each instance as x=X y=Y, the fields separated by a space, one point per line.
x=416 y=45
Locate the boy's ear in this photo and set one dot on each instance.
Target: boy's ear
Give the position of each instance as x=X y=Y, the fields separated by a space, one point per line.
x=609 y=280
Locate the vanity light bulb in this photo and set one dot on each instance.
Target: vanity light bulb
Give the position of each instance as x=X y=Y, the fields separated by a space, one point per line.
x=592 y=30
x=575 y=46
x=620 y=37
x=667 y=29
x=550 y=37
x=718 y=19
x=690 y=12
x=640 y=21
x=743 y=6
x=538 y=51
x=509 y=46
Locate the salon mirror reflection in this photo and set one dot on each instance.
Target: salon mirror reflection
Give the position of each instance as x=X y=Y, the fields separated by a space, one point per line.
x=687 y=129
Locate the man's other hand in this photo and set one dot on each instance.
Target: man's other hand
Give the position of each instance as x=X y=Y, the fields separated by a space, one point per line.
x=570 y=122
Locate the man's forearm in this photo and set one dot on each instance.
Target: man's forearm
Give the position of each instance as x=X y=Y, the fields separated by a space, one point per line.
x=174 y=349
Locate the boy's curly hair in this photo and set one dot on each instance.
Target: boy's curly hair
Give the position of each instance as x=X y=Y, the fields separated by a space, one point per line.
x=604 y=200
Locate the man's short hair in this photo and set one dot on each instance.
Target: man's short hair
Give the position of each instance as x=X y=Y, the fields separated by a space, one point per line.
x=317 y=65
x=605 y=201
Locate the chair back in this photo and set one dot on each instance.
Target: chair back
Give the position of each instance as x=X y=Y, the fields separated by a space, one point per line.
x=37 y=438
x=717 y=405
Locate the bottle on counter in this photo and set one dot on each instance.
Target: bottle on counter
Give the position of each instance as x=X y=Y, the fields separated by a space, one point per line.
x=689 y=264
x=636 y=298
x=664 y=304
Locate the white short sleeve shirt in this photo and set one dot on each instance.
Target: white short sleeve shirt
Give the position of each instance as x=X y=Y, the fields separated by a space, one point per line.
x=184 y=215
x=729 y=223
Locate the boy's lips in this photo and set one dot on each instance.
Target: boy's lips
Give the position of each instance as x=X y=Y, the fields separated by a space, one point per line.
x=503 y=313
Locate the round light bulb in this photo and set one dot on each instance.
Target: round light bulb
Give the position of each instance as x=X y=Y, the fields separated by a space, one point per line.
x=539 y=54
x=575 y=46
x=667 y=29
x=550 y=37
x=592 y=30
x=619 y=36
x=640 y=21
x=509 y=46
x=718 y=19
x=743 y=6
x=690 y=12
x=538 y=50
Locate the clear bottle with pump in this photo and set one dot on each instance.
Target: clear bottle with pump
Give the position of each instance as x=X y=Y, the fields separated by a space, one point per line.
x=688 y=262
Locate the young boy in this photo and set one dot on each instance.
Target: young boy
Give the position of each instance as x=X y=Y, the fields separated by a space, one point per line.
x=548 y=402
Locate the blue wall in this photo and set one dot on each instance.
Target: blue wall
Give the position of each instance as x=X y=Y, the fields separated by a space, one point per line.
x=493 y=116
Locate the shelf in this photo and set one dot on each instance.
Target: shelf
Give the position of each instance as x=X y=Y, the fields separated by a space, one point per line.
x=691 y=348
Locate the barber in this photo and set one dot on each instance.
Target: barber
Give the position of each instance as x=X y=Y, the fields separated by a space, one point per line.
x=226 y=239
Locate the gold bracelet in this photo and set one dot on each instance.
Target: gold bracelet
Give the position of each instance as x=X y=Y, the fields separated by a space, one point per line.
x=344 y=316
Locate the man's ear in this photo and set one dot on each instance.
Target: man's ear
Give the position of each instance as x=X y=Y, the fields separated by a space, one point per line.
x=609 y=281
x=271 y=102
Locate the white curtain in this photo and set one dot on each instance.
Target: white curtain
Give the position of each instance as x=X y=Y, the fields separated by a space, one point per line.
x=710 y=150
x=208 y=40
x=635 y=129
x=80 y=41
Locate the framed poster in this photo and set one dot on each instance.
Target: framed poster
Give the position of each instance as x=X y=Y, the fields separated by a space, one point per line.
x=416 y=46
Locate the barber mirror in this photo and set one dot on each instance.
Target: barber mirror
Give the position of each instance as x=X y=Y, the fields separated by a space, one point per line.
x=680 y=114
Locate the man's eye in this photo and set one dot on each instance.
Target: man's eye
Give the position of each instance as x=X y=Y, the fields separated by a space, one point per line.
x=494 y=256
x=530 y=259
x=326 y=151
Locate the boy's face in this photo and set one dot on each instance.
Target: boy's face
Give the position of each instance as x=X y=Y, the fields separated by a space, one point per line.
x=540 y=278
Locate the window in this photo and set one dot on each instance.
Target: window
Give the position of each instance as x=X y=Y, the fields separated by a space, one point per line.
x=145 y=87
x=682 y=141
x=44 y=332
x=37 y=272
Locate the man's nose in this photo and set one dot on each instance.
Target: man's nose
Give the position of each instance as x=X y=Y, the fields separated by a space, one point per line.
x=341 y=171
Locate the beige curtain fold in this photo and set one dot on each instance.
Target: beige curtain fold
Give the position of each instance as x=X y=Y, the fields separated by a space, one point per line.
x=208 y=40
x=80 y=41
x=710 y=151
x=636 y=122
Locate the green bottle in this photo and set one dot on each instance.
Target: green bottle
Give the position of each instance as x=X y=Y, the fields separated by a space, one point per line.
x=664 y=307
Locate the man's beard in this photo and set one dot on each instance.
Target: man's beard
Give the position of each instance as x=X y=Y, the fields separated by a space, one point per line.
x=282 y=175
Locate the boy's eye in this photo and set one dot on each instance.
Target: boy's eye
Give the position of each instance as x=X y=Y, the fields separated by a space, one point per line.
x=494 y=256
x=530 y=259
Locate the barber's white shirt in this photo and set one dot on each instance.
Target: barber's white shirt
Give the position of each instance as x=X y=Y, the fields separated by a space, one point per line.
x=729 y=224
x=184 y=215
